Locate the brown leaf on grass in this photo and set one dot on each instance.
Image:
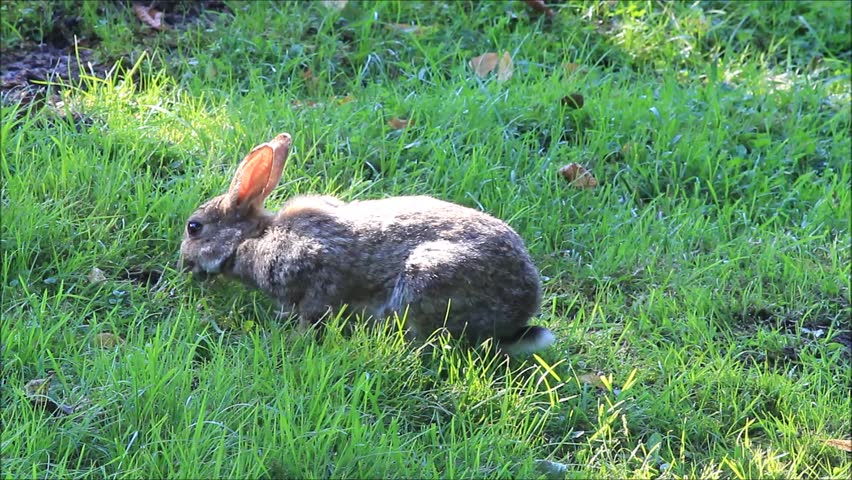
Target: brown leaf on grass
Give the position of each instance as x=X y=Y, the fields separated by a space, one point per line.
x=540 y=7
x=571 y=67
x=578 y=176
x=108 y=340
x=505 y=68
x=297 y=104
x=335 y=4
x=39 y=386
x=96 y=276
x=400 y=123
x=148 y=15
x=412 y=29
x=311 y=80
x=574 y=101
x=592 y=379
x=487 y=62
x=37 y=393
x=484 y=64
x=345 y=100
x=845 y=445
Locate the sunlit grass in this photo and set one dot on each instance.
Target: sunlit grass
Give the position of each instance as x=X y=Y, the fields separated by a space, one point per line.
x=706 y=278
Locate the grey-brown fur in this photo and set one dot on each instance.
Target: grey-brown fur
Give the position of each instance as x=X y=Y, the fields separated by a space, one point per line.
x=377 y=256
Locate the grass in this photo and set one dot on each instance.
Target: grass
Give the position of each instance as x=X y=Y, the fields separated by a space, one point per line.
x=701 y=293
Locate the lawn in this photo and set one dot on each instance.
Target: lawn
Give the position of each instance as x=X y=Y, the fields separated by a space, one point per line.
x=699 y=292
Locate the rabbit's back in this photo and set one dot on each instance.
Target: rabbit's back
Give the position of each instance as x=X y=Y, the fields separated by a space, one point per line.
x=414 y=219
x=421 y=253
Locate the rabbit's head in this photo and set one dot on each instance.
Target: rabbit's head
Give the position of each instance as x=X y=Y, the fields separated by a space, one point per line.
x=213 y=233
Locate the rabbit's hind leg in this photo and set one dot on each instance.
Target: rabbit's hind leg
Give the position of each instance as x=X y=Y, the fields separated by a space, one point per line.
x=434 y=291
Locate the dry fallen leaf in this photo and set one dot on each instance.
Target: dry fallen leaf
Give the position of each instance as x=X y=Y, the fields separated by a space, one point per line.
x=107 y=340
x=97 y=275
x=297 y=104
x=592 y=378
x=484 y=64
x=574 y=100
x=400 y=123
x=504 y=68
x=487 y=62
x=311 y=80
x=36 y=392
x=540 y=7
x=148 y=15
x=345 y=100
x=578 y=176
x=335 y=4
x=571 y=67
x=412 y=29
x=39 y=386
x=845 y=445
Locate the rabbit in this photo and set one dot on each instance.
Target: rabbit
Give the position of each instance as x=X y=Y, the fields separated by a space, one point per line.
x=437 y=264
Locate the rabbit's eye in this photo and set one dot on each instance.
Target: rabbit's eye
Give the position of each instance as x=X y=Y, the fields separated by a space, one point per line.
x=194 y=228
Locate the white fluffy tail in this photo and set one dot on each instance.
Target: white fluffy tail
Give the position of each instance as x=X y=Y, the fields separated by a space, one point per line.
x=528 y=340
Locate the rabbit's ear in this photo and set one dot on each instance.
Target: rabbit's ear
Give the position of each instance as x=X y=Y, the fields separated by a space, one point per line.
x=258 y=174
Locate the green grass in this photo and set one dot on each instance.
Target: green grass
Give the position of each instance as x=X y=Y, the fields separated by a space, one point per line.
x=707 y=277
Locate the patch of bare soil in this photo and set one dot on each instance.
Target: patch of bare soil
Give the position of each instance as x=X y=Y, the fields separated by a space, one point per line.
x=804 y=331
x=24 y=72
x=27 y=68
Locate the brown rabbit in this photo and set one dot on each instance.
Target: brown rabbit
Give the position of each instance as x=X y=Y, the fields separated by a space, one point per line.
x=440 y=264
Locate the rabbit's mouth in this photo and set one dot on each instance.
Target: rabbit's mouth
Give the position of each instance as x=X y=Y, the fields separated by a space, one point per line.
x=197 y=271
x=203 y=270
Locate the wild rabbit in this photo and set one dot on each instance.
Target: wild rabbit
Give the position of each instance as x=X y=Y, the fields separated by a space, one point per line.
x=438 y=263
